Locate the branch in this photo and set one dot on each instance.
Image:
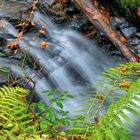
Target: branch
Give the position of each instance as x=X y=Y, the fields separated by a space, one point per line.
x=101 y=22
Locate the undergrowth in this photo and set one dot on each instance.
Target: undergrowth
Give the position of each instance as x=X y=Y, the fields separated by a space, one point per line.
x=119 y=87
x=104 y=115
x=129 y=3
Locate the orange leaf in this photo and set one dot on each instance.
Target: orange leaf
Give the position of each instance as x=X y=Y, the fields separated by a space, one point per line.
x=125 y=84
x=32 y=23
x=113 y=35
x=89 y=10
x=41 y=32
x=138 y=12
x=22 y=24
x=95 y=17
x=122 y=39
x=43 y=43
x=44 y=26
x=106 y=20
x=122 y=69
x=20 y=34
x=12 y=44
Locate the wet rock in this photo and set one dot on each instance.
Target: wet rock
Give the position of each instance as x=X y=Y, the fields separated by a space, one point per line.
x=115 y=53
x=138 y=48
x=124 y=24
x=78 y=23
x=49 y=2
x=70 y=10
x=128 y=31
x=4 y=51
x=13 y=9
x=116 y=21
x=3 y=77
x=135 y=42
x=137 y=35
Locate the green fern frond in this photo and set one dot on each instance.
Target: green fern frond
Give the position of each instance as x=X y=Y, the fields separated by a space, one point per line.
x=119 y=86
x=14 y=112
x=118 y=109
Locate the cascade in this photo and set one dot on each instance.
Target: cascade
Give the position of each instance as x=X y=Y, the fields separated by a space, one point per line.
x=70 y=63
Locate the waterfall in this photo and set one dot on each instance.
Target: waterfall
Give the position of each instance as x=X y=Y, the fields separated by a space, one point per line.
x=70 y=63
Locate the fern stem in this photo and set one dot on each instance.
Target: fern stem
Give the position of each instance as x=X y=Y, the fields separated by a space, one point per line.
x=99 y=107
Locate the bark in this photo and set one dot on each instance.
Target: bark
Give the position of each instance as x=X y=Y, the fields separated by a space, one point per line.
x=101 y=22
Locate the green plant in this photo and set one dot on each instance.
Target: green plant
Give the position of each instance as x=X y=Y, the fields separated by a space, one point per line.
x=120 y=88
x=52 y=116
x=14 y=113
x=4 y=70
x=19 y=118
x=118 y=91
x=129 y=3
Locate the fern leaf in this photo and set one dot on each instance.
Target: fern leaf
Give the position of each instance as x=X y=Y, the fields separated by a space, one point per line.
x=131 y=110
x=125 y=117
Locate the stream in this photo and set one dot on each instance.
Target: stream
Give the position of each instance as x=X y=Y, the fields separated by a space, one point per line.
x=71 y=62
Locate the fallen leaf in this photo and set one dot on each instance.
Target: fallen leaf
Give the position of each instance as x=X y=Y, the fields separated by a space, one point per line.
x=44 y=26
x=122 y=39
x=95 y=17
x=122 y=69
x=106 y=20
x=138 y=12
x=32 y=23
x=43 y=43
x=20 y=34
x=12 y=44
x=113 y=35
x=41 y=32
x=125 y=84
x=22 y=24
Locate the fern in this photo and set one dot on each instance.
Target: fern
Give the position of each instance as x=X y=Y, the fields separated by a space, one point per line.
x=113 y=119
x=18 y=118
x=15 y=118
x=119 y=87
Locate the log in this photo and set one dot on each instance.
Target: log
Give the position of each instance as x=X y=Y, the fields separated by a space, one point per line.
x=101 y=22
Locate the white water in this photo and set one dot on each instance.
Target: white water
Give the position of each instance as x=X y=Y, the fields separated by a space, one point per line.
x=71 y=62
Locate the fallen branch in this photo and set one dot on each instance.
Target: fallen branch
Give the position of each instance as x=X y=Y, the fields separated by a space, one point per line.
x=101 y=22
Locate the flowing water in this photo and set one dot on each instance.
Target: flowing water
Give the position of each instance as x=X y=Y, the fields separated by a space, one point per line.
x=71 y=62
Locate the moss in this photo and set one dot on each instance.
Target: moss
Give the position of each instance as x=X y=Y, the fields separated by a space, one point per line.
x=129 y=3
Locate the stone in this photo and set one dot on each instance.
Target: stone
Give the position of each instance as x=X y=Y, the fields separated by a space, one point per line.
x=135 y=41
x=128 y=31
x=137 y=35
x=13 y=9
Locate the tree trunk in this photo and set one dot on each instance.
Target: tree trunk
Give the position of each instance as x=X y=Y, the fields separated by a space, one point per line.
x=101 y=22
